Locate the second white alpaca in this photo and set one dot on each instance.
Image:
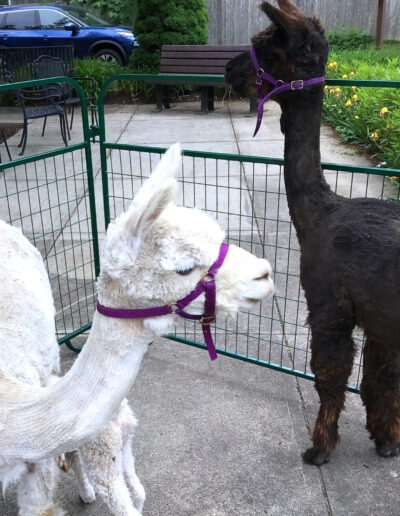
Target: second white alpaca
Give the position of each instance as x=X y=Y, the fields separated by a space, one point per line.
x=105 y=466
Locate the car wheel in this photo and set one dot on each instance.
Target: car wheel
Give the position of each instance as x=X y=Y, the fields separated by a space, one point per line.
x=109 y=55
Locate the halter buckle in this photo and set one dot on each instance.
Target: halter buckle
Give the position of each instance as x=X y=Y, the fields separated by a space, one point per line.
x=174 y=306
x=206 y=320
x=205 y=275
x=297 y=85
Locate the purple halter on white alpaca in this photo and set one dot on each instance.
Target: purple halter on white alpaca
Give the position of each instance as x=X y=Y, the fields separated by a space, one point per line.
x=280 y=86
x=204 y=285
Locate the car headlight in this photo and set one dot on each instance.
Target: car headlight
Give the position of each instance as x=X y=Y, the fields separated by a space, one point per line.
x=128 y=35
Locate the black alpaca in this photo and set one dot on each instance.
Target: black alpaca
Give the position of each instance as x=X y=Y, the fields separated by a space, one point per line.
x=350 y=249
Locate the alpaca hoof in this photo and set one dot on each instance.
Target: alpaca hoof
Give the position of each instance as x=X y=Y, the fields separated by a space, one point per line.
x=87 y=500
x=88 y=497
x=388 y=449
x=316 y=457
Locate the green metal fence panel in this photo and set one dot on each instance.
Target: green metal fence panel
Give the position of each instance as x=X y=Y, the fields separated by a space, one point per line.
x=246 y=194
x=50 y=196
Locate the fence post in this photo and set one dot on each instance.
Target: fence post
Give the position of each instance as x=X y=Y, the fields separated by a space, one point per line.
x=380 y=24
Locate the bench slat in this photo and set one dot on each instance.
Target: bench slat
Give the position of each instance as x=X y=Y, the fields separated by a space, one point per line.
x=207 y=48
x=187 y=83
x=190 y=62
x=194 y=68
x=220 y=56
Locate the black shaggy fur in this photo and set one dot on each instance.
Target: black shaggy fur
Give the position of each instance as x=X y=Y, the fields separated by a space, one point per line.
x=350 y=249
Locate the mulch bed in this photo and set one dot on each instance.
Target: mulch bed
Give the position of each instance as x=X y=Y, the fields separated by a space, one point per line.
x=9 y=130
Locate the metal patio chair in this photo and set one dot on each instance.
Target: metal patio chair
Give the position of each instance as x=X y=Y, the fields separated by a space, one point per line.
x=35 y=104
x=48 y=66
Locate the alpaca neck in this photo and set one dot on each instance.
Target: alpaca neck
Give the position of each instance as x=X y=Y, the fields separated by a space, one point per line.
x=306 y=188
x=46 y=421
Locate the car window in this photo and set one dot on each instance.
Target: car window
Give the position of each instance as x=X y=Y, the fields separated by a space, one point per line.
x=20 y=20
x=50 y=19
x=86 y=17
x=2 y=20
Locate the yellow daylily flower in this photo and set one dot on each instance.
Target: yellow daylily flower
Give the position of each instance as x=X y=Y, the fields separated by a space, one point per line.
x=374 y=136
x=384 y=110
x=348 y=103
x=356 y=117
x=345 y=76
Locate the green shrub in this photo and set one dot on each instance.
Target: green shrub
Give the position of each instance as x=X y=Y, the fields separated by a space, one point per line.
x=368 y=116
x=349 y=39
x=100 y=71
x=117 y=11
x=175 y=22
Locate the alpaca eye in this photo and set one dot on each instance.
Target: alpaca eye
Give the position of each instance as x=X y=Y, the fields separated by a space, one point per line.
x=185 y=272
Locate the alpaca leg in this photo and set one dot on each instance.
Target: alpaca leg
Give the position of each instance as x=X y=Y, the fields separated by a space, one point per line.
x=331 y=362
x=380 y=392
x=127 y=422
x=103 y=459
x=135 y=486
x=116 y=496
x=36 y=488
x=86 y=490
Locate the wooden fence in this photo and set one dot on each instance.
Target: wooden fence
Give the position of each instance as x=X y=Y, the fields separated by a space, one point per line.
x=235 y=21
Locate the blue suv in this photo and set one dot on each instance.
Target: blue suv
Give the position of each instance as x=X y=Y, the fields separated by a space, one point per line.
x=55 y=25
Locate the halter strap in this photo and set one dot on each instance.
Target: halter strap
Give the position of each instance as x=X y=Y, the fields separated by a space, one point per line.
x=206 y=285
x=280 y=86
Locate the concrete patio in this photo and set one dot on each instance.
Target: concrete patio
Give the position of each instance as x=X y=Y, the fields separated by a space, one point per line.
x=225 y=438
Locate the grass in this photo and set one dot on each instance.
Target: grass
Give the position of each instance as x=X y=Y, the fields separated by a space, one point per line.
x=366 y=116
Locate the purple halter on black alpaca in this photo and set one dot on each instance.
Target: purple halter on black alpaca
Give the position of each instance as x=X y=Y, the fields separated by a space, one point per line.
x=280 y=86
x=204 y=285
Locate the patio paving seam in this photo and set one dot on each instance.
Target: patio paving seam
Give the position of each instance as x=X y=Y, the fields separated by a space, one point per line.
x=324 y=489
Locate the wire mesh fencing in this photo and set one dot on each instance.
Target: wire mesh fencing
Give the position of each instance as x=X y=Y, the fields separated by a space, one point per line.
x=50 y=196
x=48 y=200
x=246 y=195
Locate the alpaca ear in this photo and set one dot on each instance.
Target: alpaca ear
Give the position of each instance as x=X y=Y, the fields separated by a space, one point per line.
x=285 y=20
x=289 y=7
x=154 y=196
x=126 y=234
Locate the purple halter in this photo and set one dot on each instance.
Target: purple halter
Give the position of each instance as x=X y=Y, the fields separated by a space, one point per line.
x=280 y=86
x=206 y=284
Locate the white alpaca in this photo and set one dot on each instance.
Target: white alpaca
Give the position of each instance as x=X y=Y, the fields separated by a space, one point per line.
x=153 y=254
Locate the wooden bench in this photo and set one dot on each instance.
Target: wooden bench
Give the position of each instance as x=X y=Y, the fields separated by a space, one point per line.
x=199 y=60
